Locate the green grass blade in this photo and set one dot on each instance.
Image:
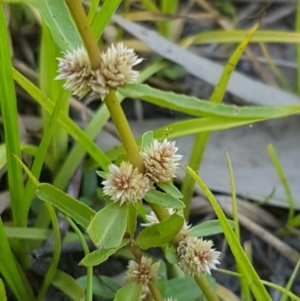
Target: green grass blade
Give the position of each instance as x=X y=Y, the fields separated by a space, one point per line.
x=236 y=36
x=246 y=293
x=2 y=291
x=89 y=284
x=93 y=10
x=12 y=272
x=78 y=211
x=42 y=150
x=284 y=182
x=103 y=16
x=291 y=281
x=55 y=258
x=253 y=280
x=201 y=108
x=49 y=53
x=168 y=7
x=202 y=139
x=9 y=112
x=72 y=128
x=284 y=83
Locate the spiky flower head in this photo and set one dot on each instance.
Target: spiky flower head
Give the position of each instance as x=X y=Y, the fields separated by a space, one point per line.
x=152 y=219
x=196 y=256
x=143 y=271
x=116 y=69
x=170 y=299
x=161 y=160
x=125 y=183
x=75 y=68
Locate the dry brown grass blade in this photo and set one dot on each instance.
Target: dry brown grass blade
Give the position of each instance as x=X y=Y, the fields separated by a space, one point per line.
x=225 y=294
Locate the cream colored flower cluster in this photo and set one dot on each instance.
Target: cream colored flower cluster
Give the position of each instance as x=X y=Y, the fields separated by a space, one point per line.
x=125 y=183
x=115 y=70
x=143 y=271
x=196 y=256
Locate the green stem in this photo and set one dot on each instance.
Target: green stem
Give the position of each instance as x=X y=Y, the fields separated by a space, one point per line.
x=85 y=31
x=123 y=128
x=156 y=294
x=207 y=290
x=196 y=157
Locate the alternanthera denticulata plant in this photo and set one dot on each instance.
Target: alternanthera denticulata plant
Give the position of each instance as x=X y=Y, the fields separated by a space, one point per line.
x=146 y=174
x=127 y=184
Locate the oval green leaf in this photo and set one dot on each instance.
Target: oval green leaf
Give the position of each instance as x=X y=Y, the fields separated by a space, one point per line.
x=99 y=256
x=79 y=212
x=171 y=254
x=160 y=234
x=209 y=228
x=108 y=226
x=163 y=199
x=170 y=189
x=131 y=291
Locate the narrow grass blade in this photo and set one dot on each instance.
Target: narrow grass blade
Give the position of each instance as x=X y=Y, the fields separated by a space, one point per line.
x=2 y=291
x=9 y=114
x=201 y=108
x=291 y=281
x=253 y=280
x=12 y=272
x=102 y=18
x=64 y=120
x=89 y=281
x=246 y=293
x=236 y=36
x=56 y=255
x=284 y=83
x=284 y=182
x=203 y=138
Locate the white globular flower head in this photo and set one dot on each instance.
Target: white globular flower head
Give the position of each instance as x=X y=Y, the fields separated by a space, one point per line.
x=196 y=256
x=116 y=69
x=152 y=219
x=125 y=183
x=161 y=160
x=170 y=299
x=143 y=271
x=75 y=68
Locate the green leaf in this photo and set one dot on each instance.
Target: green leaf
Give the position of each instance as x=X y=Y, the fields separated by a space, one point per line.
x=108 y=226
x=2 y=291
x=131 y=220
x=185 y=289
x=171 y=254
x=208 y=228
x=9 y=114
x=163 y=199
x=78 y=211
x=160 y=234
x=69 y=286
x=56 y=15
x=147 y=138
x=101 y=174
x=131 y=291
x=202 y=108
x=170 y=189
x=99 y=256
